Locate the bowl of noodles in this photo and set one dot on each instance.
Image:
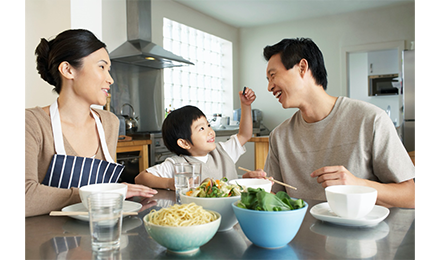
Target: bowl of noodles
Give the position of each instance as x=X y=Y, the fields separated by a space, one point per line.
x=182 y=229
x=216 y=195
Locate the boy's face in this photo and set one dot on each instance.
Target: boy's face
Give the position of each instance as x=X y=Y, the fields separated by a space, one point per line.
x=202 y=137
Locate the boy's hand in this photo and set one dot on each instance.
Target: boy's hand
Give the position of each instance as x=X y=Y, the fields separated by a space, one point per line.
x=246 y=124
x=248 y=97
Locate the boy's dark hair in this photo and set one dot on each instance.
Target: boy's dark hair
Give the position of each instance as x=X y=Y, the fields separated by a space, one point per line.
x=293 y=50
x=178 y=125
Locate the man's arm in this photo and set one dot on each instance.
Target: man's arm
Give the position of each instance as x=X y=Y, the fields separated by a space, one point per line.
x=388 y=194
x=394 y=194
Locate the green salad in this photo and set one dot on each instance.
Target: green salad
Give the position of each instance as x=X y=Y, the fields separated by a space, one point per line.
x=259 y=199
x=211 y=188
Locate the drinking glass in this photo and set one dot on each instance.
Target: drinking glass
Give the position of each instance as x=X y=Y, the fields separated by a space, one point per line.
x=105 y=216
x=186 y=175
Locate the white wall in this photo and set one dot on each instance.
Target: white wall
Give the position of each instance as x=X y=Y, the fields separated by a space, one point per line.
x=331 y=34
x=85 y=14
x=114 y=23
x=44 y=19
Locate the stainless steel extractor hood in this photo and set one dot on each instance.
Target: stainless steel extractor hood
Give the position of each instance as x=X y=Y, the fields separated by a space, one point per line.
x=138 y=49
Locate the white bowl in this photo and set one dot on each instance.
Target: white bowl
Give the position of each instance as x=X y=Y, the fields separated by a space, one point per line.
x=182 y=240
x=253 y=183
x=86 y=191
x=221 y=205
x=351 y=201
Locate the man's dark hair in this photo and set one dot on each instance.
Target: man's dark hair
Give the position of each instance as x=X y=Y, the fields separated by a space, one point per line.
x=293 y=50
x=178 y=125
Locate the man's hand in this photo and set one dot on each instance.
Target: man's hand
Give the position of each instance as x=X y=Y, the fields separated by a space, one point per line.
x=388 y=194
x=335 y=175
x=255 y=174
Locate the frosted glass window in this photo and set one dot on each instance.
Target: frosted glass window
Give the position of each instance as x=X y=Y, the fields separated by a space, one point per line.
x=207 y=84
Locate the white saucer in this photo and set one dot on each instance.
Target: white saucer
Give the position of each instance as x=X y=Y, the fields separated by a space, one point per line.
x=323 y=212
x=129 y=206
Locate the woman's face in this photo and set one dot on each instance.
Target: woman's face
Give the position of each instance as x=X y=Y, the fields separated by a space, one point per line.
x=92 y=81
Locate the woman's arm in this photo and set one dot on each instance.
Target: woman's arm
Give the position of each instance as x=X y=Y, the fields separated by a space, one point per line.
x=41 y=199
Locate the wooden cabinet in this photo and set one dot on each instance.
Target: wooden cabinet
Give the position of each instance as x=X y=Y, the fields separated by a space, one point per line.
x=133 y=146
x=261 y=150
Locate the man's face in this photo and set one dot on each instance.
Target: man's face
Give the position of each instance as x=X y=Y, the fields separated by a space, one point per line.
x=285 y=85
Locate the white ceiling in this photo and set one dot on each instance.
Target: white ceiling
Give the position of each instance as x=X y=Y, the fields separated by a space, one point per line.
x=248 y=13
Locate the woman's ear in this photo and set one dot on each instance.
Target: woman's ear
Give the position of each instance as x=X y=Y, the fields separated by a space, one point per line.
x=66 y=70
x=183 y=144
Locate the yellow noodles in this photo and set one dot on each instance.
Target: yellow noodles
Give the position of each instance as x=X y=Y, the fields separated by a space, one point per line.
x=181 y=216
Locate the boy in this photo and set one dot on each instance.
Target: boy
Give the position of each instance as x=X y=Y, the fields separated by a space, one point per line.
x=187 y=133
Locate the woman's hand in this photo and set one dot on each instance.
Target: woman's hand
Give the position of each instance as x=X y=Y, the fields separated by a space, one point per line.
x=139 y=190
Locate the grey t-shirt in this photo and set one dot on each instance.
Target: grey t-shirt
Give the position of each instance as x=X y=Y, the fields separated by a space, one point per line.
x=356 y=134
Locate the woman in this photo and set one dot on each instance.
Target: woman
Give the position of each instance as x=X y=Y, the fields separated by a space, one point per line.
x=68 y=144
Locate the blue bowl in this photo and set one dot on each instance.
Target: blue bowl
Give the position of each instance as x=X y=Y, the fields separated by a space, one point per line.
x=270 y=229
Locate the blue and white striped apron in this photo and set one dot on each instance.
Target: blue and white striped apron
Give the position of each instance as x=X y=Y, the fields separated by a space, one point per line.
x=66 y=171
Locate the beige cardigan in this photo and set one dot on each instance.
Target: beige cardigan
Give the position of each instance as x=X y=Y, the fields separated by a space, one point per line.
x=41 y=199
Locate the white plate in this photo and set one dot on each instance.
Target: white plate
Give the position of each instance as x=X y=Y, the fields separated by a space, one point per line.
x=129 y=206
x=323 y=212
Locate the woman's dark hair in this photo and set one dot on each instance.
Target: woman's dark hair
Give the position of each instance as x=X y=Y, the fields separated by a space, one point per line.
x=293 y=50
x=178 y=125
x=70 y=46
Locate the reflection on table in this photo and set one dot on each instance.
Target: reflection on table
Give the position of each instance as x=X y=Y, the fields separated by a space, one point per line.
x=66 y=238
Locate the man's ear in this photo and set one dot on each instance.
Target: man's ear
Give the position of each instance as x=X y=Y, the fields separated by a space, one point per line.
x=66 y=70
x=183 y=144
x=303 y=66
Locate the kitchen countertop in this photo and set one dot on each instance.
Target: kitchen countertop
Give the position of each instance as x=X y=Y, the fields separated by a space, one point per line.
x=227 y=131
x=66 y=238
x=259 y=139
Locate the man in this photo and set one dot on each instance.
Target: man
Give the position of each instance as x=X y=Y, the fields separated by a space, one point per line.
x=330 y=140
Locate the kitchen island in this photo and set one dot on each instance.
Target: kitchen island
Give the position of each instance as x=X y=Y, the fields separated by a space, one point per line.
x=66 y=238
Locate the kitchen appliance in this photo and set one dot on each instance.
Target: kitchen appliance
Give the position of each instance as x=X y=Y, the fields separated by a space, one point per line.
x=259 y=128
x=137 y=87
x=131 y=122
x=136 y=70
x=408 y=83
x=257 y=116
x=379 y=85
x=141 y=88
x=215 y=121
x=157 y=153
x=138 y=49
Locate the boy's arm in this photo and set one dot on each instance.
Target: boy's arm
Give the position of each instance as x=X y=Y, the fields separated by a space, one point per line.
x=153 y=181
x=246 y=126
